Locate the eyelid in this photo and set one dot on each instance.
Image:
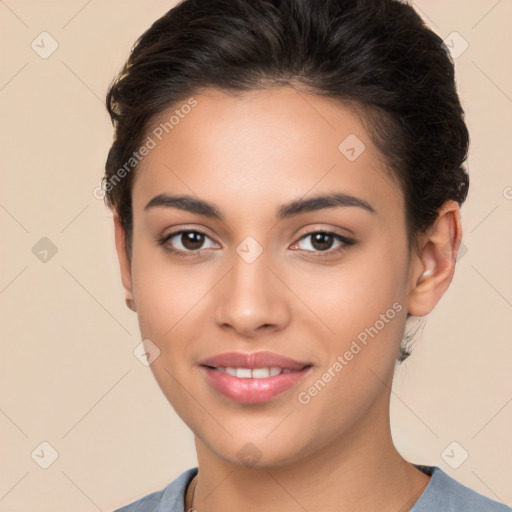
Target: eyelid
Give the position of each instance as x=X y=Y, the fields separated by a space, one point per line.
x=164 y=239
x=345 y=241
x=328 y=230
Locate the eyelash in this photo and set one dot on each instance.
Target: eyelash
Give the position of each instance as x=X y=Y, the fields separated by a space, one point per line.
x=346 y=243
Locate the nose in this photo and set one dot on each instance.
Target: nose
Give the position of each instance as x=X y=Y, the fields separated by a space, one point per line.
x=252 y=301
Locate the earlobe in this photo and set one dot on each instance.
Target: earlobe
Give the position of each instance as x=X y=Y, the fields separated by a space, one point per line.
x=434 y=264
x=124 y=261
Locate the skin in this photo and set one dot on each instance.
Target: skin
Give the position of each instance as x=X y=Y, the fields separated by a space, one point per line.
x=249 y=155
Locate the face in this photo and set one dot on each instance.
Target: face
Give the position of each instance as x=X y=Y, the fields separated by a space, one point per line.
x=252 y=263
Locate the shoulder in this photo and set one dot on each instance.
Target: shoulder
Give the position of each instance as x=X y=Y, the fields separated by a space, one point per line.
x=445 y=493
x=169 y=499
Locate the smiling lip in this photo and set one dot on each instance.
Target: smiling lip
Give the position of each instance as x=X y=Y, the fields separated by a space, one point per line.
x=253 y=360
x=252 y=390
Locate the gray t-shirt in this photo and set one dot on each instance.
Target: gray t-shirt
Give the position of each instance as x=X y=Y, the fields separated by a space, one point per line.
x=442 y=494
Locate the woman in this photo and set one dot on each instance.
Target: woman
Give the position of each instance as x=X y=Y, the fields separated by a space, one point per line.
x=286 y=178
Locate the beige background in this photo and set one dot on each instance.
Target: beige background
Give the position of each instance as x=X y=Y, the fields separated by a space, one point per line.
x=68 y=374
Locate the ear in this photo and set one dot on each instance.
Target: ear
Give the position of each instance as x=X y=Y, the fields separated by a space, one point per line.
x=122 y=255
x=433 y=264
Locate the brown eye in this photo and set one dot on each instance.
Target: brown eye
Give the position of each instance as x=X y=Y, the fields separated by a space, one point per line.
x=192 y=240
x=187 y=242
x=323 y=242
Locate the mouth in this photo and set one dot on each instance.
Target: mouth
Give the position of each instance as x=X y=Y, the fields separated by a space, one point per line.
x=251 y=384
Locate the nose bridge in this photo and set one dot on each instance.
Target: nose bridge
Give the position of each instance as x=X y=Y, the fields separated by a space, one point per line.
x=251 y=296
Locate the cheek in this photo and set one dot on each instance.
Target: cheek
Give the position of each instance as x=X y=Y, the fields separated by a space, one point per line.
x=168 y=308
x=364 y=306
x=352 y=296
x=165 y=293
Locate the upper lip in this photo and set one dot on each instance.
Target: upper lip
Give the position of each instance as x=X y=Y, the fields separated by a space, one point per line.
x=253 y=360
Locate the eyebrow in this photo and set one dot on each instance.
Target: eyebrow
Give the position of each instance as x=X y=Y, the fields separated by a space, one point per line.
x=296 y=207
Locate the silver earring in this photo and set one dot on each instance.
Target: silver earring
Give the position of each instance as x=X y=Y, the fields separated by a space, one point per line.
x=426 y=274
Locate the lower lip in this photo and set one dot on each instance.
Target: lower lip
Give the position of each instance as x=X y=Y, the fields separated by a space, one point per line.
x=252 y=391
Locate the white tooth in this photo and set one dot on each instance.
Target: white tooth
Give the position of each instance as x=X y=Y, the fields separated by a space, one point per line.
x=243 y=373
x=261 y=373
x=256 y=373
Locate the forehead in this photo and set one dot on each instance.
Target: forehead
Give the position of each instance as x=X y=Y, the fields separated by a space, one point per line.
x=266 y=145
